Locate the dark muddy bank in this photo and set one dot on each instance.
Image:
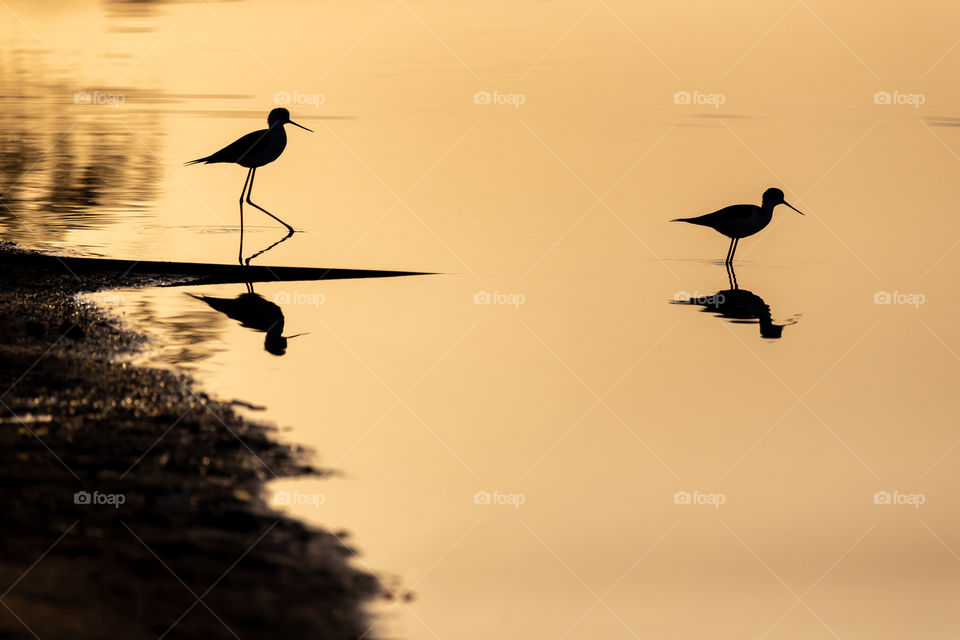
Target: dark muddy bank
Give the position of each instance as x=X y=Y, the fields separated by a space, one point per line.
x=192 y=551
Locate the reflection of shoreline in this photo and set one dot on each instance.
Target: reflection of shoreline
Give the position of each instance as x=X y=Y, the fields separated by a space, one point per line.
x=739 y=306
x=191 y=496
x=65 y=165
x=188 y=338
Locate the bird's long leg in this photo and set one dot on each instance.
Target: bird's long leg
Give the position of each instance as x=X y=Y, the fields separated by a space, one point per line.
x=733 y=248
x=729 y=252
x=253 y=173
x=240 y=256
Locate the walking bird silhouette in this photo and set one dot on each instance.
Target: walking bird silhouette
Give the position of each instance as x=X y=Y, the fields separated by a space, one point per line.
x=252 y=151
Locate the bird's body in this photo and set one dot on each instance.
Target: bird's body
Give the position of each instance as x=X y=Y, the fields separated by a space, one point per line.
x=251 y=310
x=252 y=151
x=735 y=221
x=741 y=220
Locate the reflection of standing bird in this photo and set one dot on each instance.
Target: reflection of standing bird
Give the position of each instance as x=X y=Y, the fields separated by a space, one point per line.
x=255 y=150
x=745 y=306
x=251 y=310
x=740 y=306
x=741 y=220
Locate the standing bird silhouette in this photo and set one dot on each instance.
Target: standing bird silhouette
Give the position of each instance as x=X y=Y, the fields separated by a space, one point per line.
x=741 y=220
x=253 y=151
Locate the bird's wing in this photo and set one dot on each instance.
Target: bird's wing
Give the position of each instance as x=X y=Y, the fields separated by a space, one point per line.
x=727 y=214
x=242 y=147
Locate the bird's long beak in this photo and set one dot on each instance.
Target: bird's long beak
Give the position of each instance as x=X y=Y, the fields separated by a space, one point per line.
x=793 y=207
x=299 y=125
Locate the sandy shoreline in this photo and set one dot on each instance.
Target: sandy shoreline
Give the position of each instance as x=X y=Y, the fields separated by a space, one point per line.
x=192 y=549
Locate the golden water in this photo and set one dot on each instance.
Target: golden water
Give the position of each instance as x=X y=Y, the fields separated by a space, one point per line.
x=590 y=399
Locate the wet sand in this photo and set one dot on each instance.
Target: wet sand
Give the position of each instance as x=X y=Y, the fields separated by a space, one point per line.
x=192 y=550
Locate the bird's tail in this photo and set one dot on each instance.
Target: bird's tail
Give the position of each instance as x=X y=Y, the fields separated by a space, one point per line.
x=187 y=164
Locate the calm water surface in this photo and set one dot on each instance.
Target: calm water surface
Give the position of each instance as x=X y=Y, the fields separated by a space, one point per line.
x=517 y=436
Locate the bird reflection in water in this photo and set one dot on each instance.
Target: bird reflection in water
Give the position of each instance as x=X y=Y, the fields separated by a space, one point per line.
x=738 y=305
x=254 y=311
x=262 y=251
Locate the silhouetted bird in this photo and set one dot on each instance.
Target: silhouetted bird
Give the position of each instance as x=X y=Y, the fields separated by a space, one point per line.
x=252 y=151
x=253 y=311
x=741 y=220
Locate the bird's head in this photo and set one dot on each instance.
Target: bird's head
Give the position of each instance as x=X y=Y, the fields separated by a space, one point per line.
x=276 y=343
x=280 y=117
x=773 y=196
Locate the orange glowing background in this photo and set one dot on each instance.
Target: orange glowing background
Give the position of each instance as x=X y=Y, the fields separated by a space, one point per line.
x=585 y=401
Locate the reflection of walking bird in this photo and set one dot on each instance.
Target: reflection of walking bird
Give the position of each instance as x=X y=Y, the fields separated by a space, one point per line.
x=740 y=306
x=255 y=312
x=741 y=220
x=253 y=151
